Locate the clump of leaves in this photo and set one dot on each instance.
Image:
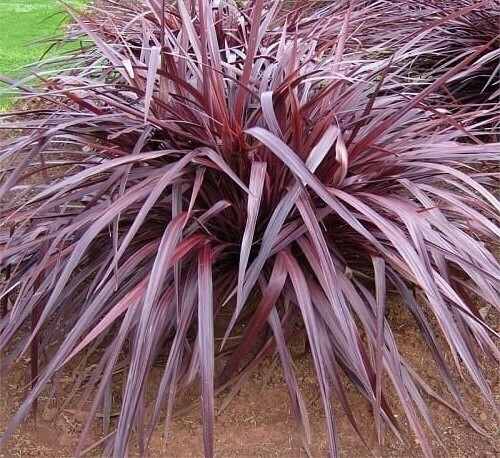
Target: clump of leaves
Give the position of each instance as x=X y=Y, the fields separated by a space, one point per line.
x=202 y=158
x=447 y=33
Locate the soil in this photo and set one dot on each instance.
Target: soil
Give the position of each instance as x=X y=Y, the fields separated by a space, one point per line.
x=259 y=422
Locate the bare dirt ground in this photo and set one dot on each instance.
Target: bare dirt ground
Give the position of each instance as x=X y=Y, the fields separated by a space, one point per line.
x=259 y=421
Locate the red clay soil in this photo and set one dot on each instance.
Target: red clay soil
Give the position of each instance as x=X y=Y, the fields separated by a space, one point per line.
x=259 y=421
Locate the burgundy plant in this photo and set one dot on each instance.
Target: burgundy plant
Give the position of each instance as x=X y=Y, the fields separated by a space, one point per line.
x=201 y=159
x=427 y=39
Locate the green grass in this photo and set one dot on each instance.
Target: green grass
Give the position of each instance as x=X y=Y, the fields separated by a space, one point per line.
x=21 y=23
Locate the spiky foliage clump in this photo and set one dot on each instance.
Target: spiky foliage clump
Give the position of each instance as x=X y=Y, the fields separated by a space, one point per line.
x=432 y=37
x=195 y=159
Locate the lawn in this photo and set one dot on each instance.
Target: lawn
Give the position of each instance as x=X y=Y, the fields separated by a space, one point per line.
x=22 y=22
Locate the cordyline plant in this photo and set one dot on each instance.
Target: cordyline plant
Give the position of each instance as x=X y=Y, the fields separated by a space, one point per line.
x=447 y=33
x=206 y=158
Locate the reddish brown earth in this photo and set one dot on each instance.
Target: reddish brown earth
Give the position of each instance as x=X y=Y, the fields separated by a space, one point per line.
x=259 y=422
